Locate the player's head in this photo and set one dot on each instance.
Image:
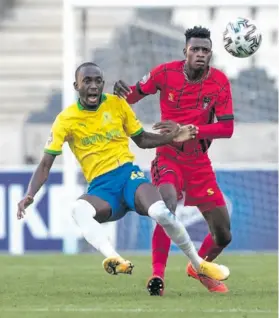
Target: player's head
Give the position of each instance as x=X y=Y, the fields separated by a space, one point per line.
x=198 y=48
x=89 y=83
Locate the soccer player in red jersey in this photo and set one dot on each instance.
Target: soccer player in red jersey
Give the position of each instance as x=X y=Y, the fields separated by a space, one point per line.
x=192 y=94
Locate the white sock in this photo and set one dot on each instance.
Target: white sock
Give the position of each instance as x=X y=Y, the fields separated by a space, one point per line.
x=83 y=214
x=175 y=230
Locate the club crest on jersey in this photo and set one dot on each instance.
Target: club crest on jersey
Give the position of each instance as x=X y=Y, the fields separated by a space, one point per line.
x=145 y=78
x=171 y=97
x=106 y=118
x=206 y=101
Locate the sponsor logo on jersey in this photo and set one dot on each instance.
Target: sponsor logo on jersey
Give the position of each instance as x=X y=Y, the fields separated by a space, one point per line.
x=82 y=124
x=210 y=191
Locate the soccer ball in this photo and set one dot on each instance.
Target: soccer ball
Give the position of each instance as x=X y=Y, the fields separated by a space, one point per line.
x=242 y=38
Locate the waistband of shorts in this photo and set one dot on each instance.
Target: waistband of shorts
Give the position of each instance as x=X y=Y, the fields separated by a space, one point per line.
x=113 y=172
x=176 y=155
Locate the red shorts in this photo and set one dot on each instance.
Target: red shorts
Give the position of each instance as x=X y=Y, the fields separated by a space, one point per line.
x=196 y=178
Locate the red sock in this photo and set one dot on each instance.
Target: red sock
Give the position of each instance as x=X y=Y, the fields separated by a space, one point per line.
x=209 y=249
x=160 y=251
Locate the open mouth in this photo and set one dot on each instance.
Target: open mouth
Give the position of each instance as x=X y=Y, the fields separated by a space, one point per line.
x=93 y=98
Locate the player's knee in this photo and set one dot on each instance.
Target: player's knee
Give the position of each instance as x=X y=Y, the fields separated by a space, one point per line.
x=171 y=205
x=82 y=206
x=170 y=198
x=223 y=237
x=75 y=209
x=160 y=213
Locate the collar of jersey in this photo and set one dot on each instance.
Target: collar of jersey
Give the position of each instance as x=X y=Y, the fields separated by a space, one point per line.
x=103 y=98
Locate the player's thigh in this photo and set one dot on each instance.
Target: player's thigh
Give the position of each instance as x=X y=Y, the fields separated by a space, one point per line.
x=139 y=193
x=169 y=195
x=146 y=195
x=202 y=189
x=167 y=176
x=102 y=207
x=218 y=221
x=109 y=188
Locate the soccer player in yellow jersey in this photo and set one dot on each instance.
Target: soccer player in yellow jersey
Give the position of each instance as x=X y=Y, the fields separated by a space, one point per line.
x=97 y=128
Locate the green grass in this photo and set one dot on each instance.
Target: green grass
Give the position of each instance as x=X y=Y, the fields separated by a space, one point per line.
x=76 y=286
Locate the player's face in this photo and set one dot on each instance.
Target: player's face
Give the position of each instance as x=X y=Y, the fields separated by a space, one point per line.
x=90 y=85
x=198 y=53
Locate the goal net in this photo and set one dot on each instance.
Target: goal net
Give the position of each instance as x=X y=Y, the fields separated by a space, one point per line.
x=126 y=42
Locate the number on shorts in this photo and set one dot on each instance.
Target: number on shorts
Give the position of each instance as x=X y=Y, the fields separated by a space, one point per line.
x=137 y=175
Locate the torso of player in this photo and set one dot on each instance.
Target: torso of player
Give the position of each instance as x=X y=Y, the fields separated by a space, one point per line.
x=98 y=139
x=188 y=103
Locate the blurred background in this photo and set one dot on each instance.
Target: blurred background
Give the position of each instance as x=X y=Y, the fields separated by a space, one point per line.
x=127 y=43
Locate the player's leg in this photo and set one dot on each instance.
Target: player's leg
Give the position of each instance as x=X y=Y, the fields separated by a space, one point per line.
x=165 y=175
x=161 y=242
x=102 y=203
x=218 y=221
x=145 y=198
x=209 y=250
x=88 y=213
x=204 y=192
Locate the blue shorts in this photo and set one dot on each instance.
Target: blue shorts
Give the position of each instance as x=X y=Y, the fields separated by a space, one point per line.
x=118 y=188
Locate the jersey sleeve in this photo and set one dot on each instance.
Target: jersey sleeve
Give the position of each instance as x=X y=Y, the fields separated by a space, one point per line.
x=131 y=124
x=58 y=135
x=224 y=105
x=152 y=82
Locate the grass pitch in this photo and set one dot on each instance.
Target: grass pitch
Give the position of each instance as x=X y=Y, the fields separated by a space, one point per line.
x=59 y=286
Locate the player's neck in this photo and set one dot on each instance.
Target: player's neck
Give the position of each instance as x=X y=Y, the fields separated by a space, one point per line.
x=87 y=107
x=193 y=75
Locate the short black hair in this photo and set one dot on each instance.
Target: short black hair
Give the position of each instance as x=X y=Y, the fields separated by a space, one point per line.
x=197 y=32
x=81 y=66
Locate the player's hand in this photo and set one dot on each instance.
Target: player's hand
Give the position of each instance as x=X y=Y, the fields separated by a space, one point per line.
x=168 y=127
x=121 y=89
x=22 y=205
x=187 y=133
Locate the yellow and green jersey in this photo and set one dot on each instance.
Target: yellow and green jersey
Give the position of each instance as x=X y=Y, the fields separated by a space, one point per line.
x=99 y=139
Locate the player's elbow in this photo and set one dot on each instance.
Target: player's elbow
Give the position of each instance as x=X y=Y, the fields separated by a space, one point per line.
x=229 y=133
x=140 y=140
x=229 y=129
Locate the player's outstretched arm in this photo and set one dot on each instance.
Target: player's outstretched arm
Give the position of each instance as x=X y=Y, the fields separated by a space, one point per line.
x=150 y=140
x=149 y=84
x=39 y=177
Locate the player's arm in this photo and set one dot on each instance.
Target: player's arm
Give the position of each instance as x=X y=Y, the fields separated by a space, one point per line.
x=40 y=176
x=224 y=113
x=142 y=138
x=149 y=84
x=146 y=139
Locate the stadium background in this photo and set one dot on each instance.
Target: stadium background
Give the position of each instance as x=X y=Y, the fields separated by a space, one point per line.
x=126 y=43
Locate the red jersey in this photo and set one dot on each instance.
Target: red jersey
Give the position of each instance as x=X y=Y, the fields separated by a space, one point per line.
x=190 y=103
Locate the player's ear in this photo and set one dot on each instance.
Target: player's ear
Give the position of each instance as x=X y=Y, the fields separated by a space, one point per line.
x=75 y=86
x=185 y=51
